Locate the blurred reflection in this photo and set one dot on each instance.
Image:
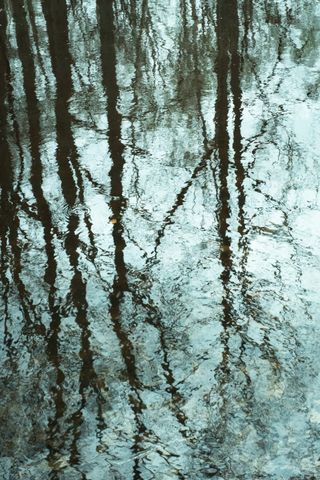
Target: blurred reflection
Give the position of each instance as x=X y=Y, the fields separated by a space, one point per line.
x=159 y=262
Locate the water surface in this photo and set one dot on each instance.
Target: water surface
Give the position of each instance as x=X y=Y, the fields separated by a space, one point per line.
x=160 y=232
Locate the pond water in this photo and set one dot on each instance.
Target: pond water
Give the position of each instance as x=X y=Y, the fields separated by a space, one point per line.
x=160 y=239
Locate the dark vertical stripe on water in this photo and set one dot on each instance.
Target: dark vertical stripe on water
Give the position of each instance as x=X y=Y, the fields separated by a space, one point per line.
x=10 y=200
x=223 y=32
x=6 y=177
x=118 y=202
x=29 y=75
x=226 y=15
x=9 y=220
x=78 y=293
x=55 y=13
x=6 y=167
x=228 y=65
x=25 y=55
x=29 y=82
x=235 y=82
x=117 y=206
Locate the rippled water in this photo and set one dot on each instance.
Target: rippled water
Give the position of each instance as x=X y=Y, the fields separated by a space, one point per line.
x=160 y=232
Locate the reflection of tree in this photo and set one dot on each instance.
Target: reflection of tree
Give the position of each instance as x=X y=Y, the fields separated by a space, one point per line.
x=72 y=187
x=118 y=205
x=150 y=76
x=7 y=174
x=43 y=212
x=193 y=71
x=227 y=60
